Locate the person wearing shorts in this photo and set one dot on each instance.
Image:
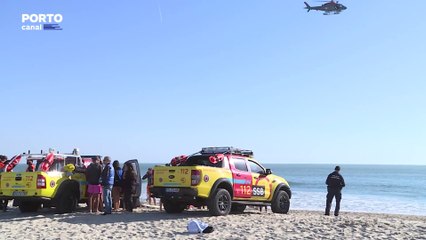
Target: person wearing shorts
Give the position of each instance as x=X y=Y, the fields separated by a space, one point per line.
x=93 y=174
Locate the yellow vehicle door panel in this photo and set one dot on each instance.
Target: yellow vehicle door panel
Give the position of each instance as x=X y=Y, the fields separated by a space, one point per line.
x=261 y=188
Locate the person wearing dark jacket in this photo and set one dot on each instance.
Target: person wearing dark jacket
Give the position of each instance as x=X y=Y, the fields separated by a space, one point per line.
x=107 y=183
x=335 y=183
x=129 y=185
x=94 y=189
x=116 y=189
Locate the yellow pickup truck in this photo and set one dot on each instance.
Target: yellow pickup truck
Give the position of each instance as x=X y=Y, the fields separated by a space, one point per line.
x=225 y=179
x=49 y=185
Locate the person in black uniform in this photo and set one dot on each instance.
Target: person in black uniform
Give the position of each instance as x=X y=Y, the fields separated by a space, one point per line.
x=335 y=183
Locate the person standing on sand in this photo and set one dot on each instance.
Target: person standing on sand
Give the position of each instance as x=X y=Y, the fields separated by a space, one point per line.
x=129 y=185
x=335 y=183
x=93 y=174
x=116 y=189
x=149 y=176
x=101 y=196
x=107 y=183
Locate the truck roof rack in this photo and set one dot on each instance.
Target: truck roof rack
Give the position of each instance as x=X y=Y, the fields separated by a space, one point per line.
x=224 y=150
x=43 y=154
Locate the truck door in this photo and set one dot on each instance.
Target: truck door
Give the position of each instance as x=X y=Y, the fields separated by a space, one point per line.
x=136 y=196
x=242 y=178
x=261 y=186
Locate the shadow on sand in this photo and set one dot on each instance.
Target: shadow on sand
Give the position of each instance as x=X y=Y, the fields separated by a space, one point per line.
x=83 y=217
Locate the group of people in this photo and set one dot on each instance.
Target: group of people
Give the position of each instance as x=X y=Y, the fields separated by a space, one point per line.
x=107 y=182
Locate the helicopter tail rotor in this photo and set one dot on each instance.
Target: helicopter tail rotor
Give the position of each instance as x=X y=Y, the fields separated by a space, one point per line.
x=308 y=6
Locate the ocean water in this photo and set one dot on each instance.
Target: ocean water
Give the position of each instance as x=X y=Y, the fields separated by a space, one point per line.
x=369 y=188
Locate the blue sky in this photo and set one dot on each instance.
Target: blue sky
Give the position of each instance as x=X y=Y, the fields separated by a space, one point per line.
x=159 y=78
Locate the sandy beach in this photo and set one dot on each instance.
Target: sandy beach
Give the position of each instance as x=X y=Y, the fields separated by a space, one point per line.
x=148 y=223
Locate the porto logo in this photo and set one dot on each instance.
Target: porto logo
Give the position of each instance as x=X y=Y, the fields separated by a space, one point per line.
x=39 y=22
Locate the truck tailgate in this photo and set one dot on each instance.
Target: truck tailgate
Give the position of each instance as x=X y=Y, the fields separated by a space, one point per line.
x=18 y=184
x=172 y=176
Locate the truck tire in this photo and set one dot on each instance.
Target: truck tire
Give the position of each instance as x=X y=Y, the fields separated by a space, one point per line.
x=220 y=202
x=67 y=202
x=238 y=208
x=281 y=204
x=29 y=206
x=173 y=207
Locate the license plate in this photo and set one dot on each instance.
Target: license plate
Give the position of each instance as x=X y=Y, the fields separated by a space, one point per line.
x=172 y=190
x=19 y=193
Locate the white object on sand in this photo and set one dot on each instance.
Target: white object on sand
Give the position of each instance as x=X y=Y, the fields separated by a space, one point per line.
x=196 y=226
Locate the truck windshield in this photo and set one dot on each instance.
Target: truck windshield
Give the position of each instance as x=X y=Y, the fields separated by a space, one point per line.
x=201 y=160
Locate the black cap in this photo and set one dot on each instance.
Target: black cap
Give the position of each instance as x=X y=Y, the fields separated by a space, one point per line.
x=337 y=168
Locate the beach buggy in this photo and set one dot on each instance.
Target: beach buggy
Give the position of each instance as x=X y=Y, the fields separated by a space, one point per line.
x=225 y=179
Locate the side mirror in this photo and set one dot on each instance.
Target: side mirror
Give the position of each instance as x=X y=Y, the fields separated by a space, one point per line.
x=268 y=171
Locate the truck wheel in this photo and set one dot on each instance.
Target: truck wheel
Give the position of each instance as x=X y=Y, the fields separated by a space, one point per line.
x=67 y=202
x=173 y=207
x=219 y=203
x=238 y=208
x=29 y=206
x=281 y=204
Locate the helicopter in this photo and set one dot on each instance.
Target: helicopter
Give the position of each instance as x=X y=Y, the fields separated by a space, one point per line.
x=329 y=7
